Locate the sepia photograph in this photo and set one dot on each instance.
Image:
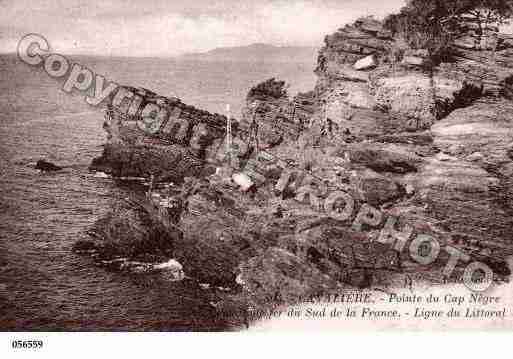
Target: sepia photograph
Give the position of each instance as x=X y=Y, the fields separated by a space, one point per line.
x=242 y=166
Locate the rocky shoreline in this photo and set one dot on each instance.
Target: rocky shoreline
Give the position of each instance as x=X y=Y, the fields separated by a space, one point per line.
x=430 y=144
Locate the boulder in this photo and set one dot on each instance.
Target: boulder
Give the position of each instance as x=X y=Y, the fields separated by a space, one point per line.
x=243 y=181
x=376 y=189
x=366 y=63
x=46 y=166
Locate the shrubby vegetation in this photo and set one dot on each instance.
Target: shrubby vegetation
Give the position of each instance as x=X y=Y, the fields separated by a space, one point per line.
x=435 y=24
x=269 y=88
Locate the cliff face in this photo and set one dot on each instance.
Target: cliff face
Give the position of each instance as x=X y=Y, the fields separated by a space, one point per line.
x=154 y=135
x=364 y=73
x=429 y=145
x=441 y=132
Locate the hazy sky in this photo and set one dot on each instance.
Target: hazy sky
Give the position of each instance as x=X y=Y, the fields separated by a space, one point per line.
x=170 y=27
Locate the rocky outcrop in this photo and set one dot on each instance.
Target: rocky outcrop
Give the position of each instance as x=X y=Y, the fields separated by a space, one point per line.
x=165 y=162
x=128 y=232
x=385 y=157
x=155 y=135
x=349 y=45
x=481 y=35
x=269 y=120
x=278 y=277
x=385 y=90
x=484 y=127
x=431 y=146
x=415 y=98
x=467 y=185
x=431 y=142
x=46 y=166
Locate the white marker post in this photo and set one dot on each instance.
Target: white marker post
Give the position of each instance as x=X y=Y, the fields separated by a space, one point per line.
x=229 y=134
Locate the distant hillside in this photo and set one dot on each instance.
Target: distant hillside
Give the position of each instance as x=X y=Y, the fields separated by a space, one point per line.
x=258 y=52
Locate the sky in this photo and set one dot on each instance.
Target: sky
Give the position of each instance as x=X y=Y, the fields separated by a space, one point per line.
x=173 y=27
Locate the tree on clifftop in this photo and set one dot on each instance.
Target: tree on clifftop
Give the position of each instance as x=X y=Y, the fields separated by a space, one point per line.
x=435 y=24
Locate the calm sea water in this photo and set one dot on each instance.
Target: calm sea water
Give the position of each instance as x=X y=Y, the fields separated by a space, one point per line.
x=43 y=285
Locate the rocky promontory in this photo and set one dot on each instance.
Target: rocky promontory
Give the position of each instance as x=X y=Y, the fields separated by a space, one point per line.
x=391 y=130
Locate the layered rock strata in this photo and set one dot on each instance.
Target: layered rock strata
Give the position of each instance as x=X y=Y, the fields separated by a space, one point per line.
x=429 y=146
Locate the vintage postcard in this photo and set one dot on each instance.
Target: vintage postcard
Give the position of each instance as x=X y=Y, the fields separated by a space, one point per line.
x=235 y=166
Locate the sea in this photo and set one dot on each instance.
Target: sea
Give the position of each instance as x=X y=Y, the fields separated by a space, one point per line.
x=44 y=286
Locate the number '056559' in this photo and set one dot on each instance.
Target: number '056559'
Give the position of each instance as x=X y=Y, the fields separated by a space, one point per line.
x=27 y=344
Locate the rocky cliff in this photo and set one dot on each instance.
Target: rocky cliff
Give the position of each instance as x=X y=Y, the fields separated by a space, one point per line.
x=386 y=131
x=150 y=134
